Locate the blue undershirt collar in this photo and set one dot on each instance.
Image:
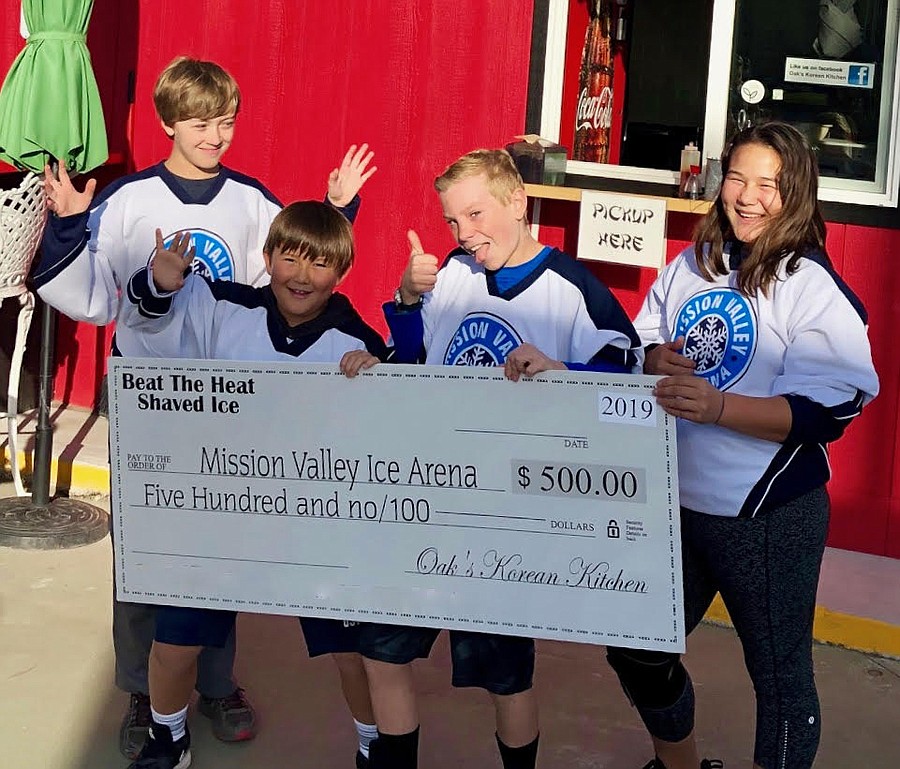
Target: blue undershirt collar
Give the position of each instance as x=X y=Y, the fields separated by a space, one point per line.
x=507 y=277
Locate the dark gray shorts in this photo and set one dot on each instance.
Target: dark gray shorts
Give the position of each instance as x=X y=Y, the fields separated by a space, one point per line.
x=329 y=636
x=189 y=626
x=501 y=664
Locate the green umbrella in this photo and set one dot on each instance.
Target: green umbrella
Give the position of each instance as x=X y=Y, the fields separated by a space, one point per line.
x=49 y=102
x=50 y=108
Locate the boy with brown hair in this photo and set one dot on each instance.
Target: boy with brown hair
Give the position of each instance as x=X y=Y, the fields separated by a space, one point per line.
x=92 y=247
x=297 y=317
x=500 y=299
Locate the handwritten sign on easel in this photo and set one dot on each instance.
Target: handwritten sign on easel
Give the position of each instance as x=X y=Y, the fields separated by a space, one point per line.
x=623 y=230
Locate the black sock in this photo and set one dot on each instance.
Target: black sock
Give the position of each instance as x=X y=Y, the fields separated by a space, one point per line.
x=524 y=757
x=395 y=751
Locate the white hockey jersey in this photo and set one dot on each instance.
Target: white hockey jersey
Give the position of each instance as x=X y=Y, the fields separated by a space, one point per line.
x=806 y=341
x=231 y=321
x=560 y=308
x=86 y=259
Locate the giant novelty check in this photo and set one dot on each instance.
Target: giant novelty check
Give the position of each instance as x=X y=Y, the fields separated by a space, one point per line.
x=435 y=496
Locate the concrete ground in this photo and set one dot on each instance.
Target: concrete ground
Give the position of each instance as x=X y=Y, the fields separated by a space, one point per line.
x=60 y=710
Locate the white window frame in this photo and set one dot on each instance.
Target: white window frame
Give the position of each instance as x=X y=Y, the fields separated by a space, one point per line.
x=883 y=191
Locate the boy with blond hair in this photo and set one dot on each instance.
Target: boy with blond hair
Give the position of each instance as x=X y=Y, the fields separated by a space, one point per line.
x=93 y=246
x=500 y=299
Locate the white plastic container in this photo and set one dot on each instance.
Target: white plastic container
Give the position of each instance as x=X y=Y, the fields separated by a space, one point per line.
x=690 y=156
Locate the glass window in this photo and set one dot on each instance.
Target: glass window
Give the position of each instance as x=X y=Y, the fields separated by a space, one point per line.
x=828 y=71
x=626 y=84
x=665 y=95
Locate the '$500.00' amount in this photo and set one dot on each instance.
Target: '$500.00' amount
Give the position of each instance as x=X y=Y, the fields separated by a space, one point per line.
x=623 y=484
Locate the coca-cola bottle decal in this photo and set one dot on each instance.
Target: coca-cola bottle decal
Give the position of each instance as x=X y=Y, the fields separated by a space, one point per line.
x=595 y=96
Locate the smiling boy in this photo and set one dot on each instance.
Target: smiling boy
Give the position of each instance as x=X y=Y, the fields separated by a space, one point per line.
x=501 y=299
x=298 y=317
x=92 y=247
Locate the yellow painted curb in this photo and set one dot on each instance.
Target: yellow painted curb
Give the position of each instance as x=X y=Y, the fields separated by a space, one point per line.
x=66 y=475
x=832 y=627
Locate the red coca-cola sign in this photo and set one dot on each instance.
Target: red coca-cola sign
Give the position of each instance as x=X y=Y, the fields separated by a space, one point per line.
x=593 y=117
x=594 y=111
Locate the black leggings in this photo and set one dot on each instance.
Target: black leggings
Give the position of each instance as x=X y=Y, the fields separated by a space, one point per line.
x=767 y=571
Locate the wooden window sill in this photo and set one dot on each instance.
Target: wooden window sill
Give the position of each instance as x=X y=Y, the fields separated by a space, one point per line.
x=573 y=194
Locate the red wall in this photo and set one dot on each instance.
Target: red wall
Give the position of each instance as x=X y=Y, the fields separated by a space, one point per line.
x=317 y=76
x=112 y=41
x=422 y=81
x=865 y=491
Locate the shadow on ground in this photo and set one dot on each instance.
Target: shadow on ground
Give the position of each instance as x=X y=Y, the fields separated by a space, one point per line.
x=59 y=709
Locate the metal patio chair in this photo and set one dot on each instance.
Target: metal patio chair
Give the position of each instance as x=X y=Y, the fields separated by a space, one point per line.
x=23 y=213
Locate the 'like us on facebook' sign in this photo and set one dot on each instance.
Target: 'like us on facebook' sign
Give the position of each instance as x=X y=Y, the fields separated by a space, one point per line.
x=845 y=74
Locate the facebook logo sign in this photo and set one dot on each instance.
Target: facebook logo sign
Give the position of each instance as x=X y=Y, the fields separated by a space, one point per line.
x=859 y=75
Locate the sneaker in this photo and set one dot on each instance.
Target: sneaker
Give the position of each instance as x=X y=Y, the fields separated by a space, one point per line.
x=161 y=752
x=361 y=761
x=135 y=723
x=233 y=717
x=706 y=763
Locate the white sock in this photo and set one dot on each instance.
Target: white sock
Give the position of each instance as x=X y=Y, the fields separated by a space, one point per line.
x=177 y=722
x=367 y=733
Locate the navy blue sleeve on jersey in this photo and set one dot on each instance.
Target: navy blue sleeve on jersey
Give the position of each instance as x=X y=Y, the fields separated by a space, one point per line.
x=608 y=360
x=606 y=313
x=64 y=238
x=812 y=422
x=407 y=334
x=601 y=366
x=801 y=462
x=351 y=210
x=140 y=293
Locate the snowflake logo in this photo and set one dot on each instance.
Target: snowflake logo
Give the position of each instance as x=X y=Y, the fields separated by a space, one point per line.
x=481 y=339
x=719 y=327
x=476 y=356
x=199 y=268
x=707 y=343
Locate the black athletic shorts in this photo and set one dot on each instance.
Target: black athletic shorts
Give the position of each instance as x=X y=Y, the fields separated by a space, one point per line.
x=189 y=626
x=329 y=636
x=501 y=664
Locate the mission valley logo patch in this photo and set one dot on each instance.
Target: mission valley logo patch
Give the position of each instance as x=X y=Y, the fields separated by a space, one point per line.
x=482 y=339
x=719 y=327
x=212 y=258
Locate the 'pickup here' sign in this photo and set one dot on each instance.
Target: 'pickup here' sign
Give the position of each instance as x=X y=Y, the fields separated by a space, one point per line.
x=623 y=230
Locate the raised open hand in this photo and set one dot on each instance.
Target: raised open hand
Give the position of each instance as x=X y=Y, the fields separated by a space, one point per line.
x=62 y=197
x=169 y=265
x=345 y=182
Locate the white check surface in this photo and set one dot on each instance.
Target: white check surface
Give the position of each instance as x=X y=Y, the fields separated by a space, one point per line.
x=433 y=496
